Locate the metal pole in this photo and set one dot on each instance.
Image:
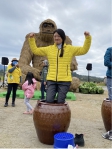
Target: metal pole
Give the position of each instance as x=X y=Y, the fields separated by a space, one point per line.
x=3 y=76
x=88 y=75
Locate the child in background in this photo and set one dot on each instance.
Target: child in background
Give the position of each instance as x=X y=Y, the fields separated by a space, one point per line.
x=29 y=87
x=43 y=79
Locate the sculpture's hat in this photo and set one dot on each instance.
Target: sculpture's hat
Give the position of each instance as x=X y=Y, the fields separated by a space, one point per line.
x=14 y=59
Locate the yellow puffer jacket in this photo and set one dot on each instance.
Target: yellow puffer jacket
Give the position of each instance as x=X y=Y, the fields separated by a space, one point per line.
x=59 y=67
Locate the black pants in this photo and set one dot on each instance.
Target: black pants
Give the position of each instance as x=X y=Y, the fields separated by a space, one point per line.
x=11 y=87
x=57 y=87
x=42 y=90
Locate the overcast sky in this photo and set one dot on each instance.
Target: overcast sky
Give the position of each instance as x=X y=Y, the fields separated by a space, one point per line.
x=20 y=17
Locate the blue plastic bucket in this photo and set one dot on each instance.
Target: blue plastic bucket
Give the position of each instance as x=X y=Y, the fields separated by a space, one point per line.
x=62 y=140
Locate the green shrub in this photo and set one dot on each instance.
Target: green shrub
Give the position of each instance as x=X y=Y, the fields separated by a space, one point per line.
x=90 y=88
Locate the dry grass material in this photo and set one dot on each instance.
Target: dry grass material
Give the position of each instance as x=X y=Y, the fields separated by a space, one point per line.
x=74 y=84
x=17 y=129
x=38 y=85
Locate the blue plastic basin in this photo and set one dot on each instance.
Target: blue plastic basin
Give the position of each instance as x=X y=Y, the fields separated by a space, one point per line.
x=62 y=140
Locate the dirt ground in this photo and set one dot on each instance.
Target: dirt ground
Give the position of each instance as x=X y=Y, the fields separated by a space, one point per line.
x=17 y=130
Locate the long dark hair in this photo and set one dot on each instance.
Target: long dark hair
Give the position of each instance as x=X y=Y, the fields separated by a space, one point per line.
x=29 y=78
x=63 y=36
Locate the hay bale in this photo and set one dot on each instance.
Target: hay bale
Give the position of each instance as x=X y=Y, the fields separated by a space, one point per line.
x=23 y=78
x=38 y=85
x=74 y=84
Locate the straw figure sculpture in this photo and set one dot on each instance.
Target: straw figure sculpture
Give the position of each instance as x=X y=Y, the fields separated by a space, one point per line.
x=29 y=62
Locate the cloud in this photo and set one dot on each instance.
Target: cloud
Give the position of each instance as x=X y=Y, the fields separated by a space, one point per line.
x=18 y=18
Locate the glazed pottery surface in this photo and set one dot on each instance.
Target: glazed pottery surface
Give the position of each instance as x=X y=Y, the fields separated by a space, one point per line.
x=106 y=111
x=49 y=119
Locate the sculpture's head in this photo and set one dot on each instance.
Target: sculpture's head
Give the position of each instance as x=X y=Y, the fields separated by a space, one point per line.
x=47 y=28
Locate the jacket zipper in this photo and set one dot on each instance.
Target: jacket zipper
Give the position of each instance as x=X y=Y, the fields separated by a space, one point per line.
x=57 y=65
x=67 y=70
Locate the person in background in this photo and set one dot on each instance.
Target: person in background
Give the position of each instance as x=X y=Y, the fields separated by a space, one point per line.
x=108 y=64
x=29 y=87
x=107 y=135
x=43 y=79
x=13 y=80
x=59 y=56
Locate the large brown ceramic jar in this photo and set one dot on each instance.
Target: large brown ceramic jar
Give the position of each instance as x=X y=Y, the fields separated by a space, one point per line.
x=106 y=111
x=50 y=119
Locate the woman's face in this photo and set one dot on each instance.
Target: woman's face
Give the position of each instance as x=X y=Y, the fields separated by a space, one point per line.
x=57 y=38
x=15 y=63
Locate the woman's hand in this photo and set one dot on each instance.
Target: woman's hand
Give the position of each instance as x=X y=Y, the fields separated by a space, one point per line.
x=17 y=65
x=44 y=83
x=86 y=33
x=31 y=35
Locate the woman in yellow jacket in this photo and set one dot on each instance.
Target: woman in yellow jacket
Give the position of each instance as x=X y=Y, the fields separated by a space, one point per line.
x=14 y=79
x=59 y=56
